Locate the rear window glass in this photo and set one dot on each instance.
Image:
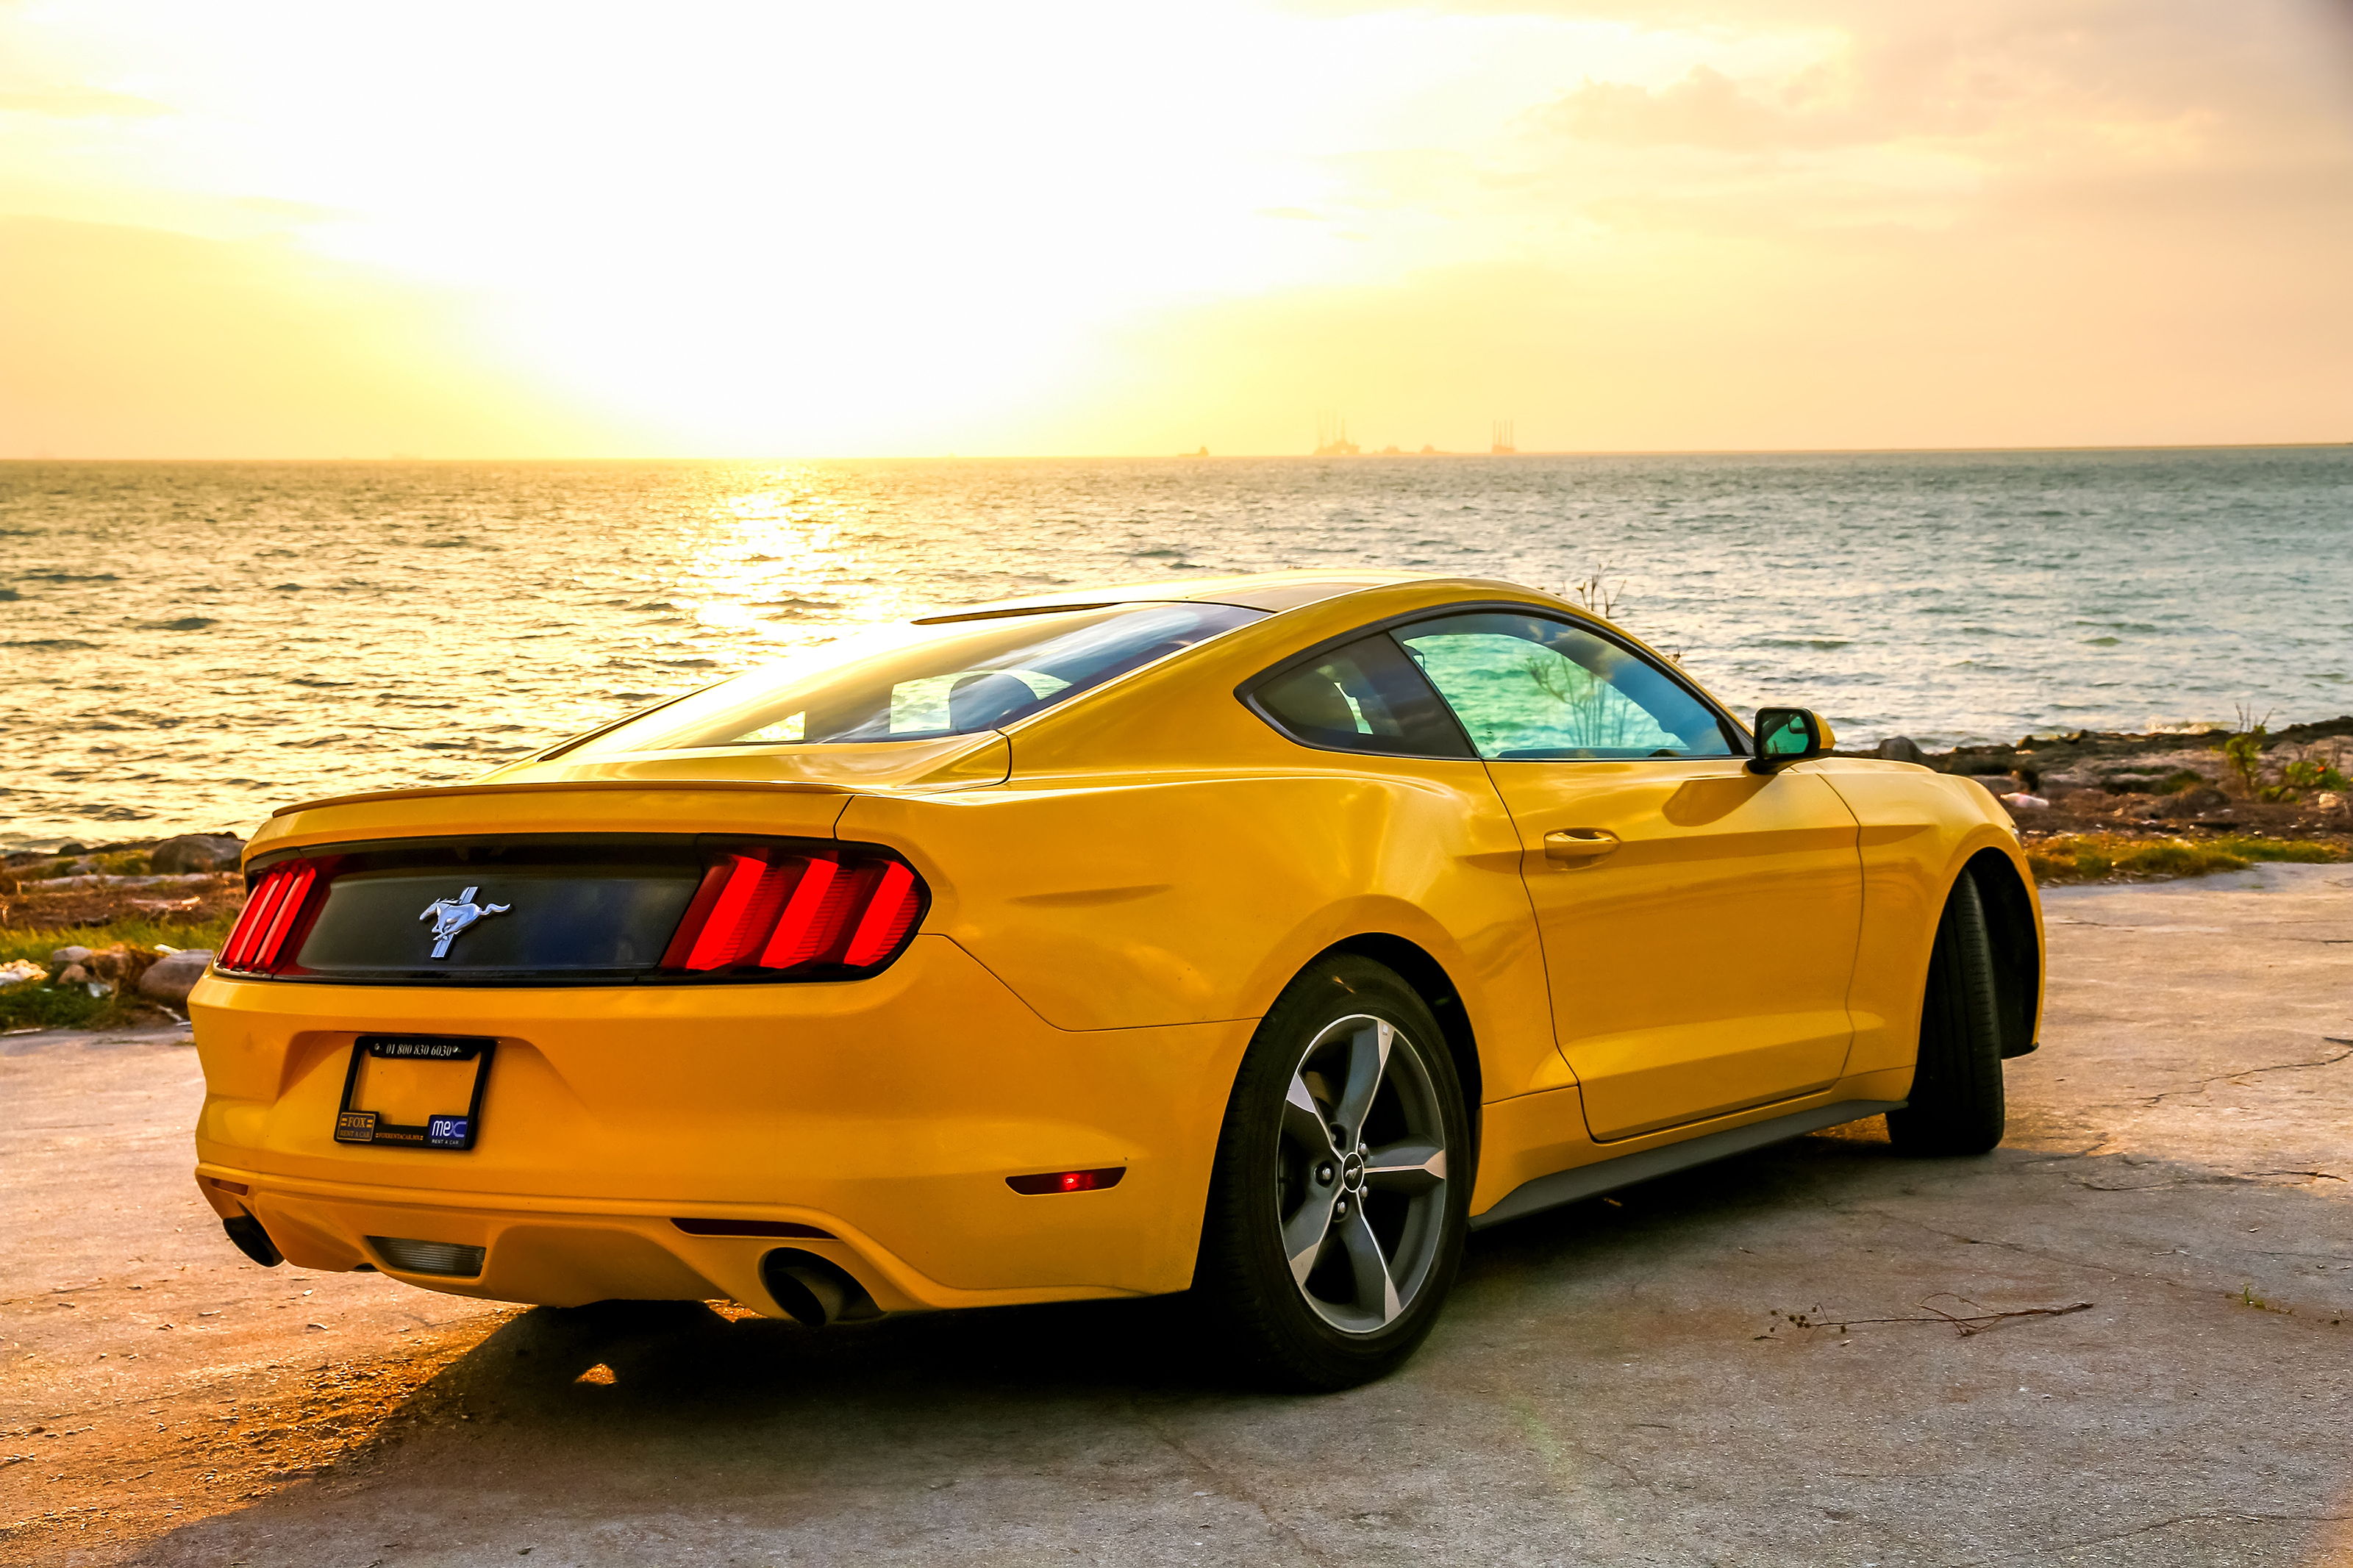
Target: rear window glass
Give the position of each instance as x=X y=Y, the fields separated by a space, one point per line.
x=921 y=683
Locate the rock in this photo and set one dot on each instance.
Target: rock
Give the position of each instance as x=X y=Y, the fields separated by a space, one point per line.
x=2329 y=801
x=17 y=970
x=195 y=852
x=122 y=963
x=2003 y=785
x=73 y=975
x=2196 y=799
x=68 y=955
x=2022 y=800
x=1901 y=749
x=170 y=977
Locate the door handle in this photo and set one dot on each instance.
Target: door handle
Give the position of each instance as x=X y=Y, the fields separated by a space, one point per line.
x=1578 y=844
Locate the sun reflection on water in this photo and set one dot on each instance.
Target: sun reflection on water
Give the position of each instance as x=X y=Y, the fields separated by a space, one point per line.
x=353 y=626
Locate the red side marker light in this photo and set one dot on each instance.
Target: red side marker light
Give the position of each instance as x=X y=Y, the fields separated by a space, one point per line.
x=1068 y=1181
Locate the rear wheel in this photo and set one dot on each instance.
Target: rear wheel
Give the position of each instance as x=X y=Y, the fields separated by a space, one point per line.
x=1337 y=1205
x=1957 y=1102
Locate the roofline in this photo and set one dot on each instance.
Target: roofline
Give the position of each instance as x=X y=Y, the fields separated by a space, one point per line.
x=1270 y=591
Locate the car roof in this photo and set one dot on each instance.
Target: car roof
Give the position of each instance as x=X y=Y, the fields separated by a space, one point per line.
x=1255 y=591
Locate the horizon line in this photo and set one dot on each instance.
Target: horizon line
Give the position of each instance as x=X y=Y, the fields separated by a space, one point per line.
x=1260 y=457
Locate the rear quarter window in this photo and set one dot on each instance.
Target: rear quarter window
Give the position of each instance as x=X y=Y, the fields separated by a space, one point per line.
x=1365 y=696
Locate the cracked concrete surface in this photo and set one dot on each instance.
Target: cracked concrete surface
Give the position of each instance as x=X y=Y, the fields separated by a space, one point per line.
x=1680 y=1375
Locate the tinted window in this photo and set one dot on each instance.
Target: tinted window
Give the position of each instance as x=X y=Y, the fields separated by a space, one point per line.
x=1532 y=689
x=921 y=683
x=1365 y=697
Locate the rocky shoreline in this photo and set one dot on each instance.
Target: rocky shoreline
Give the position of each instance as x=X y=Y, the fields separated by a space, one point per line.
x=2158 y=785
x=2164 y=783
x=151 y=913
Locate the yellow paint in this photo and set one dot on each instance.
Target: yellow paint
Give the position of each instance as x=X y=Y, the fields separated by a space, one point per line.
x=1121 y=887
x=1701 y=965
x=1914 y=840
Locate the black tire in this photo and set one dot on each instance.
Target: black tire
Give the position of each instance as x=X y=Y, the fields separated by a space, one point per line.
x=1375 y=1218
x=1957 y=1105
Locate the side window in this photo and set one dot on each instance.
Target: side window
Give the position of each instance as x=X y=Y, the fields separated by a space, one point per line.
x=1532 y=689
x=1363 y=696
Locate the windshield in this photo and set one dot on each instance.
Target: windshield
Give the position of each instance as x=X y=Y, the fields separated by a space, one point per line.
x=954 y=679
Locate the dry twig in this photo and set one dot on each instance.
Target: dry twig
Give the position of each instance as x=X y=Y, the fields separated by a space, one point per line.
x=1969 y=1323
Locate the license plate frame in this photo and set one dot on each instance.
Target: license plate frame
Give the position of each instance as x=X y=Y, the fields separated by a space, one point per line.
x=446 y=1131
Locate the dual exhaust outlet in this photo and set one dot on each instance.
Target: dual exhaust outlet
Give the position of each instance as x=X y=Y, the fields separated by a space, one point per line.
x=815 y=1291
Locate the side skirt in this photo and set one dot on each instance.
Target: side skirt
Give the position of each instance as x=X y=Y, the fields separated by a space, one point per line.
x=1608 y=1175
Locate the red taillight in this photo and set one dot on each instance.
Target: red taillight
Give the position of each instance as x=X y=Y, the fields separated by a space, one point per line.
x=770 y=909
x=1068 y=1181
x=794 y=939
x=259 y=938
x=889 y=910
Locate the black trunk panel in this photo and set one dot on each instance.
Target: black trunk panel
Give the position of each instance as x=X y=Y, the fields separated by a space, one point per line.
x=577 y=908
x=546 y=920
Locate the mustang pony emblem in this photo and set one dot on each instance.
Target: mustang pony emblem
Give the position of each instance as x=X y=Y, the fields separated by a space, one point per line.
x=450 y=917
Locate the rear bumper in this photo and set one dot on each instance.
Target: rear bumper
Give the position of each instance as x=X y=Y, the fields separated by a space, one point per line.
x=887 y=1112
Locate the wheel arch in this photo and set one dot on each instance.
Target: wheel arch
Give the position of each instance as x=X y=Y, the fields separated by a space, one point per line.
x=1418 y=968
x=2015 y=927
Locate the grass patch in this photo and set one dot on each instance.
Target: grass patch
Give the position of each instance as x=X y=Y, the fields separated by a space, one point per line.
x=37 y=943
x=2098 y=856
x=123 y=863
x=37 y=1005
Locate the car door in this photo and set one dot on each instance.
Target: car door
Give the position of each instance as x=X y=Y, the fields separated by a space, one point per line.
x=1699 y=921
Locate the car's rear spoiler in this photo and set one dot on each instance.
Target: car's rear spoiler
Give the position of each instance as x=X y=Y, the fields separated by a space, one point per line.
x=443 y=792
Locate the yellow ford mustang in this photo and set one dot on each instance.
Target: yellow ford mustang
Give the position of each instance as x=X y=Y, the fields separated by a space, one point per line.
x=1258 y=936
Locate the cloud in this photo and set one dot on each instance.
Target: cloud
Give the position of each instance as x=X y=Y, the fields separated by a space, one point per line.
x=1705 y=108
x=2017 y=80
x=1026 y=228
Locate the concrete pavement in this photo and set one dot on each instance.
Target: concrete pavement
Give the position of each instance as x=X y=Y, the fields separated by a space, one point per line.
x=1689 y=1373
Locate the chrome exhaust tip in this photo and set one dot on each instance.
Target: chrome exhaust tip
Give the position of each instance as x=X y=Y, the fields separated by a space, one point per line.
x=245 y=1233
x=813 y=1290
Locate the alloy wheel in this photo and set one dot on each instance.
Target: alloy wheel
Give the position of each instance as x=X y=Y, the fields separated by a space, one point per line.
x=1360 y=1177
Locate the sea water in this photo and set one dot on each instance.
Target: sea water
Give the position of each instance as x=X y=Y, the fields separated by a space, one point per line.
x=188 y=646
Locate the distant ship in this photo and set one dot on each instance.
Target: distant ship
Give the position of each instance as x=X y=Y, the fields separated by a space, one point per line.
x=1503 y=438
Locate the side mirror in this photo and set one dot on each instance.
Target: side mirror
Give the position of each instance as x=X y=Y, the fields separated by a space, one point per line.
x=1786 y=735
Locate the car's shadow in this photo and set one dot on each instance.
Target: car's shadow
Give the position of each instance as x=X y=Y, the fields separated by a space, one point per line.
x=647 y=1360
x=966 y=1421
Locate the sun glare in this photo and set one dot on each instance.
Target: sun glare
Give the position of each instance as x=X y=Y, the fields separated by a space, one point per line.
x=766 y=229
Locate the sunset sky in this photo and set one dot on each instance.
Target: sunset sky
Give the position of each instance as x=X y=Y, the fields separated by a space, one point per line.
x=774 y=230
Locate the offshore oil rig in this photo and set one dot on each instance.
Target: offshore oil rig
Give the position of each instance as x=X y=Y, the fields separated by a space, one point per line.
x=1331 y=437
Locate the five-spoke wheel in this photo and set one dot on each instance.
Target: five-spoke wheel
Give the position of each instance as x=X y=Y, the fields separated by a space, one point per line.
x=1336 y=1219
x=1361 y=1184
